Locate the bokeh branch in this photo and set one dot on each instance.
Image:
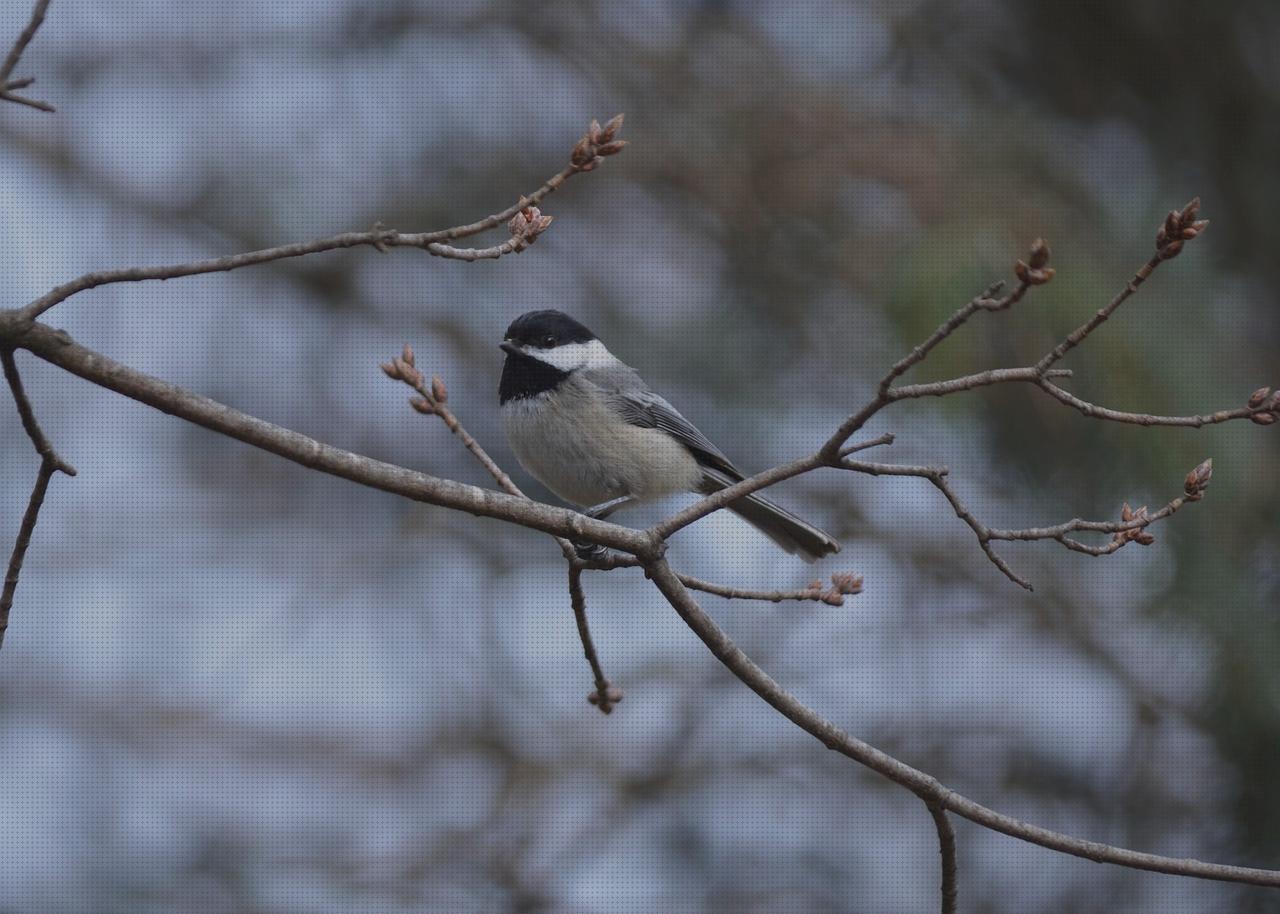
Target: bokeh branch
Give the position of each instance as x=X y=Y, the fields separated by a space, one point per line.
x=8 y=86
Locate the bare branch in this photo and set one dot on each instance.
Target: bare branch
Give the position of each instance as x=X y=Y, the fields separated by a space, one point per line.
x=9 y=86
x=23 y=540
x=972 y=382
x=842 y=584
x=8 y=96
x=1113 y=415
x=50 y=463
x=57 y=347
x=1137 y=523
x=605 y=696
x=983 y=302
x=433 y=400
x=947 y=850
x=28 y=416
x=531 y=223
x=816 y=592
x=923 y=785
x=1180 y=226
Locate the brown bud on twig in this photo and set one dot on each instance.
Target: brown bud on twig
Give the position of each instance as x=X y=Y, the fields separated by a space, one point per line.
x=1136 y=534
x=847 y=583
x=597 y=143
x=583 y=155
x=407 y=354
x=1032 y=276
x=1258 y=396
x=1198 y=480
x=526 y=225
x=1179 y=226
x=606 y=702
x=406 y=372
x=610 y=129
x=1039 y=254
x=610 y=149
x=438 y=390
x=390 y=370
x=1263 y=418
x=422 y=406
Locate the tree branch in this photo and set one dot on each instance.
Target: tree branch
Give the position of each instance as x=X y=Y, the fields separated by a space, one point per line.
x=947 y=850
x=22 y=541
x=523 y=219
x=815 y=592
x=1113 y=415
x=605 y=695
x=9 y=86
x=50 y=463
x=432 y=400
x=57 y=348
x=923 y=785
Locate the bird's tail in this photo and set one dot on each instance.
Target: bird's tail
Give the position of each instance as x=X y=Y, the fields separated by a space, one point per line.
x=779 y=524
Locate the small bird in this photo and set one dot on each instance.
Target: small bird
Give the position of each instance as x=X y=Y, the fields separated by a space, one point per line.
x=588 y=428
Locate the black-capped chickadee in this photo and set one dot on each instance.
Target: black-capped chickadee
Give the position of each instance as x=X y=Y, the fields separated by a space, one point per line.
x=589 y=429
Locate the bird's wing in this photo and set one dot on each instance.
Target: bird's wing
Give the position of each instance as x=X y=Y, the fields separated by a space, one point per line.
x=632 y=399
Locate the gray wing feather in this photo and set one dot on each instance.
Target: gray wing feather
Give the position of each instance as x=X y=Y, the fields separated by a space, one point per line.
x=632 y=399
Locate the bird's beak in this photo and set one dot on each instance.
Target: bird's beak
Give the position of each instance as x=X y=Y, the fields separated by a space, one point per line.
x=509 y=347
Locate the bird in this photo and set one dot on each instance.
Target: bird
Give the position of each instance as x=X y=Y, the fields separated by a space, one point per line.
x=587 y=426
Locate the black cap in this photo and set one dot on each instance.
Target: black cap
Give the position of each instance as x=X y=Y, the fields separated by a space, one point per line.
x=547 y=329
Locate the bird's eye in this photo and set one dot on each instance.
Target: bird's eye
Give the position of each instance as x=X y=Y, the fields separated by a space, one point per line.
x=548 y=341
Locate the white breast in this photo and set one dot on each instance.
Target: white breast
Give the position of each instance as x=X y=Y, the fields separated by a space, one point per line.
x=578 y=448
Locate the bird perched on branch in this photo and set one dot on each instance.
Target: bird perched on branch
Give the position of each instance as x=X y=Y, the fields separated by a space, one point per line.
x=587 y=427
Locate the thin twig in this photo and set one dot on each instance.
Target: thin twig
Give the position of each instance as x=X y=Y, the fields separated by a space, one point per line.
x=15 y=54
x=1094 y=411
x=983 y=302
x=605 y=696
x=814 y=593
x=23 y=39
x=23 y=540
x=28 y=102
x=1077 y=336
x=918 y=782
x=50 y=463
x=937 y=476
x=433 y=399
x=947 y=850
x=470 y=255
x=842 y=584
x=521 y=217
x=28 y=416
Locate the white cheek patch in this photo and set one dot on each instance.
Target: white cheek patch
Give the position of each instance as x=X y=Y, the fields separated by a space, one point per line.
x=574 y=356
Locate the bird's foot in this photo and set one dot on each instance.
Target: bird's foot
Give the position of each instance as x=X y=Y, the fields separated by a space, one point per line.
x=590 y=552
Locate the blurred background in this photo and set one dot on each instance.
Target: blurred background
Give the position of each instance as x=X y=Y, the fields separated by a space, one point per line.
x=231 y=684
